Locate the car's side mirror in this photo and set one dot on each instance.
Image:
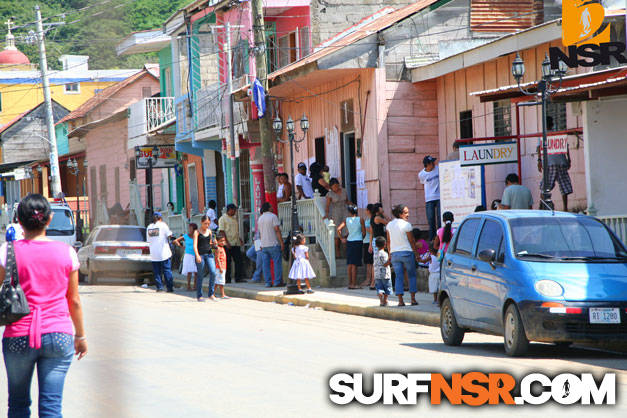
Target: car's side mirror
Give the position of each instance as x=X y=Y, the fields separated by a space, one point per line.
x=488 y=256
x=77 y=245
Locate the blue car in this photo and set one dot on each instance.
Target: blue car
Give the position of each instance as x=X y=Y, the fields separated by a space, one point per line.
x=534 y=276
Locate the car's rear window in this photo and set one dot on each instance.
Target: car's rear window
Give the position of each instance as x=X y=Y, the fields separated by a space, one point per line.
x=61 y=224
x=121 y=234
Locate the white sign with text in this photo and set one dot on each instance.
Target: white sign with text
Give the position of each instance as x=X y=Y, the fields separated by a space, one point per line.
x=485 y=154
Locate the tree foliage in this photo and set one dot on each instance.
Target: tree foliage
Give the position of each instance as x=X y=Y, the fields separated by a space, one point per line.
x=94 y=31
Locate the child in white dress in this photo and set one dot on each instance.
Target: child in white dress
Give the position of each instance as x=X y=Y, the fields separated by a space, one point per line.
x=301 y=268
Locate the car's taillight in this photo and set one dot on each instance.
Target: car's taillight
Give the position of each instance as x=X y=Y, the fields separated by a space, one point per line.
x=145 y=250
x=105 y=250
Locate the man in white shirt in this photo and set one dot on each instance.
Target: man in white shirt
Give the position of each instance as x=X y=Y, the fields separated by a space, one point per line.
x=271 y=245
x=430 y=178
x=213 y=216
x=157 y=235
x=304 y=189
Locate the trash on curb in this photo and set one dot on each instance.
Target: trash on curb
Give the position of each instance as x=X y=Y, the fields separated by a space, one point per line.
x=144 y=286
x=291 y=303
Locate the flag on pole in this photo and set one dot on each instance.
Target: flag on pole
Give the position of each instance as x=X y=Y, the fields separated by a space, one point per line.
x=259 y=97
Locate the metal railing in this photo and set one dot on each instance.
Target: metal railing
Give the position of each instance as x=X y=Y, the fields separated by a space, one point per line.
x=310 y=217
x=208 y=107
x=150 y=114
x=159 y=112
x=618 y=224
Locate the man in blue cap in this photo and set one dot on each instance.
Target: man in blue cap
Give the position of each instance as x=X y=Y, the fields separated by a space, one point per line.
x=158 y=234
x=430 y=178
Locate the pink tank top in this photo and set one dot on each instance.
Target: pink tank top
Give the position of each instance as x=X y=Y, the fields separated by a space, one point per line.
x=44 y=268
x=441 y=234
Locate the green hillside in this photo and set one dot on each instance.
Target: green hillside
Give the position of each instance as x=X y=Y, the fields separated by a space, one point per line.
x=92 y=27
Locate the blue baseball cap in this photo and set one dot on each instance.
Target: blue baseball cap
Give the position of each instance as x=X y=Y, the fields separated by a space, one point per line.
x=157 y=215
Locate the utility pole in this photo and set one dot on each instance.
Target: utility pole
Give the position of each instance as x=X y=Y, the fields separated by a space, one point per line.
x=43 y=67
x=265 y=124
x=229 y=90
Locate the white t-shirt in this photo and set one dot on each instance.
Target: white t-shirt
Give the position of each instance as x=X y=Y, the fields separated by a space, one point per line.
x=434 y=265
x=398 y=230
x=305 y=182
x=267 y=233
x=213 y=217
x=431 y=180
x=279 y=190
x=157 y=235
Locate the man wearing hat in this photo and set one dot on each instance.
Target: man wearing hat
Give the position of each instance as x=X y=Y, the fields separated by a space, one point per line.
x=304 y=189
x=430 y=178
x=157 y=234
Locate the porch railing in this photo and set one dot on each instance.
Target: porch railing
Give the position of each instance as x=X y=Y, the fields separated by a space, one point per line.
x=310 y=217
x=150 y=114
x=208 y=106
x=618 y=224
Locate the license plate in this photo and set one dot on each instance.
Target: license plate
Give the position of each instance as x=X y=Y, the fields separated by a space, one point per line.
x=604 y=316
x=126 y=253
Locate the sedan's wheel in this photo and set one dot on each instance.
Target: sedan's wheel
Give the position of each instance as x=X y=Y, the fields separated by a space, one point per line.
x=515 y=340
x=92 y=278
x=82 y=278
x=452 y=334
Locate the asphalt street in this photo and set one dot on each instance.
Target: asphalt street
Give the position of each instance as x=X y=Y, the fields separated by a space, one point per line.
x=166 y=355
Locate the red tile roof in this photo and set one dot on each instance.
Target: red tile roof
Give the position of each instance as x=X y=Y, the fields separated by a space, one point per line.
x=355 y=33
x=107 y=93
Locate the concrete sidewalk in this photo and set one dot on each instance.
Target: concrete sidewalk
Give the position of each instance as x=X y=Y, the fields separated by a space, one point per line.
x=362 y=302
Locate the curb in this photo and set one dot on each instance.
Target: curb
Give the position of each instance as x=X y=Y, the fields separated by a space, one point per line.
x=378 y=312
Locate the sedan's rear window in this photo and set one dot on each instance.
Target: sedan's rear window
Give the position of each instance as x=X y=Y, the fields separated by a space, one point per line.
x=121 y=234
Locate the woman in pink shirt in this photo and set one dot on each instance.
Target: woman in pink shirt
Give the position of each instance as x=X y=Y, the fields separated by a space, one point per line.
x=445 y=234
x=48 y=274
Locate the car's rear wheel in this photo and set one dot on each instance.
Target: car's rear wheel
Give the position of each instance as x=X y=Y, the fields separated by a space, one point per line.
x=82 y=278
x=514 y=338
x=452 y=334
x=92 y=277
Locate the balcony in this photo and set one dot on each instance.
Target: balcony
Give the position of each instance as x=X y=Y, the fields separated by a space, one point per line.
x=147 y=116
x=208 y=107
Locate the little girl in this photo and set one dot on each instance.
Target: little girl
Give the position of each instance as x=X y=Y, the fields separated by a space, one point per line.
x=433 y=258
x=189 y=259
x=301 y=269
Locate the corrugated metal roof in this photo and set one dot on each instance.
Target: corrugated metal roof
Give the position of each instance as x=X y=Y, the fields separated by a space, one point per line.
x=98 y=99
x=505 y=15
x=577 y=82
x=355 y=33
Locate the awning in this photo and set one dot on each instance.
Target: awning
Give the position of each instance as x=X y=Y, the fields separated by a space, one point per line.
x=584 y=86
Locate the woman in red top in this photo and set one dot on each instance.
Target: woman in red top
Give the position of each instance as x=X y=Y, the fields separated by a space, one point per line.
x=48 y=274
x=221 y=265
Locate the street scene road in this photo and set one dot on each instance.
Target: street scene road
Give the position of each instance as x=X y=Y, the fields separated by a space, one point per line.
x=166 y=355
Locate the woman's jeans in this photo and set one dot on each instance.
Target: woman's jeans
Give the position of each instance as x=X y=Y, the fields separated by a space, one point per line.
x=404 y=261
x=53 y=361
x=206 y=260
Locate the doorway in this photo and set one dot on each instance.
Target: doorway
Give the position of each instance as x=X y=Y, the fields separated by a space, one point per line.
x=320 y=151
x=349 y=168
x=193 y=188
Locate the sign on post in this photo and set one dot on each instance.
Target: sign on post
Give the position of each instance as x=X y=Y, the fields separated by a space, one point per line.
x=486 y=154
x=461 y=189
x=557 y=144
x=162 y=156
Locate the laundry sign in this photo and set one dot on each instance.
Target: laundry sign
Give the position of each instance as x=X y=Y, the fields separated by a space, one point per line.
x=557 y=144
x=485 y=154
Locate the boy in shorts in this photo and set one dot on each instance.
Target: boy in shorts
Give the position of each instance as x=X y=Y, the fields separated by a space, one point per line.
x=382 y=271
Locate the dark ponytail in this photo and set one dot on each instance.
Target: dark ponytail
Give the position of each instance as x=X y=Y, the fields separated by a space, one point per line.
x=447 y=234
x=34 y=212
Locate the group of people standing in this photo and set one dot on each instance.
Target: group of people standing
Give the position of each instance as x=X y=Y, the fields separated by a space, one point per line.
x=213 y=248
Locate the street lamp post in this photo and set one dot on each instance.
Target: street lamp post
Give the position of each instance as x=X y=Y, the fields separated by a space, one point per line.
x=545 y=89
x=277 y=126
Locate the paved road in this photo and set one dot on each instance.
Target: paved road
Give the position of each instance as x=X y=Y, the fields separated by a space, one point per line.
x=166 y=355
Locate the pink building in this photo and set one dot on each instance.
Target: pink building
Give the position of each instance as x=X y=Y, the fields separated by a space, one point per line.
x=102 y=122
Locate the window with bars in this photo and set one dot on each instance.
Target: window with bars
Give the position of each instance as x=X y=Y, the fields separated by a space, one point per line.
x=244 y=181
x=305 y=43
x=502 y=118
x=240 y=59
x=555 y=116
